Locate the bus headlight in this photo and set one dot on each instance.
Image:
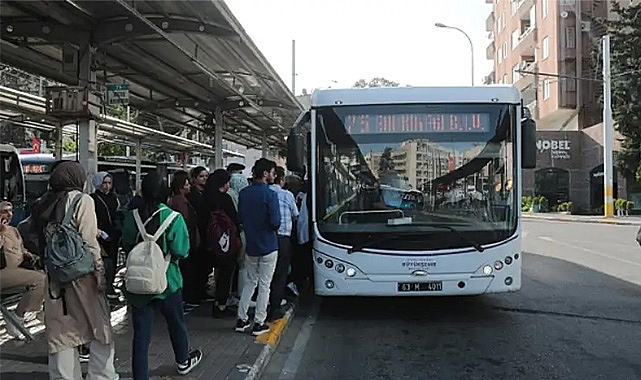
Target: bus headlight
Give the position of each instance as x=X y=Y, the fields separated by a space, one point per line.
x=487 y=270
x=329 y=264
x=508 y=260
x=351 y=272
x=340 y=268
x=498 y=265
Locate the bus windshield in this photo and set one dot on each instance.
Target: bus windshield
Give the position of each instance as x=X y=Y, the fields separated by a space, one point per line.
x=403 y=169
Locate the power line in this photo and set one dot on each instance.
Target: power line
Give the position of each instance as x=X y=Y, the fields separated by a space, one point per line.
x=573 y=77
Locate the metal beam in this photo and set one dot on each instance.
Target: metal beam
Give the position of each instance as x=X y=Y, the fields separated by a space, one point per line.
x=117 y=29
x=19 y=27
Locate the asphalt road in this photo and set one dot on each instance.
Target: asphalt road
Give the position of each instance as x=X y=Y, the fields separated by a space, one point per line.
x=578 y=316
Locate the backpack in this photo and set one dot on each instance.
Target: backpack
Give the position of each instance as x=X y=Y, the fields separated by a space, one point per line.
x=66 y=255
x=222 y=239
x=146 y=263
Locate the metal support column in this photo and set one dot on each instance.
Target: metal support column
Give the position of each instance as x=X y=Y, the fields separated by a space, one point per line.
x=87 y=131
x=58 y=146
x=264 y=146
x=608 y=201
x=218 y=139
x=138 y=165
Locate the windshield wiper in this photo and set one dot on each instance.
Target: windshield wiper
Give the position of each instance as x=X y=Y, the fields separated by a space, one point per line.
x=408 y=236
x=444 y=226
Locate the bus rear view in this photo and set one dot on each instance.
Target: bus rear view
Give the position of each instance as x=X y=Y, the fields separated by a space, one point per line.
x=415 y=191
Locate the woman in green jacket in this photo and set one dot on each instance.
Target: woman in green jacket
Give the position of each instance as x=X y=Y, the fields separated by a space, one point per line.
x=175 y=241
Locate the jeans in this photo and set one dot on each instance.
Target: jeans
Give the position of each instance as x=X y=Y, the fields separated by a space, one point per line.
x=258 y=270
x=143 y=317
x=279 y=280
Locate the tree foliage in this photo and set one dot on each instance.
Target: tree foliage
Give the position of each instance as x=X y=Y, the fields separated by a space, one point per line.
x=375 y=82
x=386 y=163
x=625 y=41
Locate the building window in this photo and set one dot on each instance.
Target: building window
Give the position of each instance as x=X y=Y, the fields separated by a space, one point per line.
x=499 y=55
x=505 y=79
x=570 y=37
x=545 y=6
x=516 y=75
x=515 y=39
x=505 y=49
x=546 y=89
x=545 y=47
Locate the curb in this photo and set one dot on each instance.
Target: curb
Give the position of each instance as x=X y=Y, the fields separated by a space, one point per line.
x=270 y=341
x=593 y=221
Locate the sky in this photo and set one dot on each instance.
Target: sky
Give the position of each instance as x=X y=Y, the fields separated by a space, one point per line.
x=341 y=41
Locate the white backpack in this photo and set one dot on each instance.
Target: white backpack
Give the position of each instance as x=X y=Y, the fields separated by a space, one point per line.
x=147 y=264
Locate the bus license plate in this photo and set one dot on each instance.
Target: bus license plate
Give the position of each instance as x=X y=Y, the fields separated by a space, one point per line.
x=432 y=286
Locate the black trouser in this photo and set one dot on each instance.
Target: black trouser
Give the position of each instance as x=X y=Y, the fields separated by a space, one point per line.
x=189 y=268
x=302 y=264
x=224 y=271
x=110 y=261
x=203 y=263
x=279 y=280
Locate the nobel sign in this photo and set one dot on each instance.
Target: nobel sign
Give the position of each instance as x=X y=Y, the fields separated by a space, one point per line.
x=559 y=149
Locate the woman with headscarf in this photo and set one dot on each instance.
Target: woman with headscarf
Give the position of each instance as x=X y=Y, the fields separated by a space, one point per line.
x=174 y=242
x=76 y=313
x=215 y=198
x=180 y=187
x=108 y=226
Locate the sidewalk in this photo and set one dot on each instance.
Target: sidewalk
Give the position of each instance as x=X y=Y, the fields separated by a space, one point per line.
x=226 y=354
x=619 y=220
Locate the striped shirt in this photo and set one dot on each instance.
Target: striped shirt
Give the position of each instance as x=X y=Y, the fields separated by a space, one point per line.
x=288 y=210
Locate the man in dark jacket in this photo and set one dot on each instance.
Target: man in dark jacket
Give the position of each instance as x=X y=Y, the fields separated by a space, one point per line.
x=259 y=214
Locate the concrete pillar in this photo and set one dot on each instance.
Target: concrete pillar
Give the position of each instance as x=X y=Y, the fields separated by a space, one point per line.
x=87 y=134
x=218 y=139
x=138 y=165
x=58 y=146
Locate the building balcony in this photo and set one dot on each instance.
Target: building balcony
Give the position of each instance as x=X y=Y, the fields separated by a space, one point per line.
x=526 y=79
x=524 y=7
x=526 y=45
x=489 y=22
x=490 y=51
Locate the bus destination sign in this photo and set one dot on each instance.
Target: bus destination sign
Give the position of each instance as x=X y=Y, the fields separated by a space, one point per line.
x=411 y=123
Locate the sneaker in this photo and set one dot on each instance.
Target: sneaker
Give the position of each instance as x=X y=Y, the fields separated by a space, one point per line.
x=294 y=289
x=260 y=329
x=195 y=356
x=13 y=331
x=242 y=326
x=83 y=354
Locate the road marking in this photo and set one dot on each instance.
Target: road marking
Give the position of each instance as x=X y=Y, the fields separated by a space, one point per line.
x=296 y=356
x=549 y=239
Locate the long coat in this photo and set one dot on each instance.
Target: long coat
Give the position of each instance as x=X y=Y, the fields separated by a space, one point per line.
x=88 y=316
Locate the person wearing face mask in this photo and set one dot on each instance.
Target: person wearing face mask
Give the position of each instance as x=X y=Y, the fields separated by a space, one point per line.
x=107 y=205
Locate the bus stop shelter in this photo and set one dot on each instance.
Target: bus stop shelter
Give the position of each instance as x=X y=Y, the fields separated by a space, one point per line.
x=187 y=66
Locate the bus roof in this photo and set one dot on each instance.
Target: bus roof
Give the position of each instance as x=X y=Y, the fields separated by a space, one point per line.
x=395 y=95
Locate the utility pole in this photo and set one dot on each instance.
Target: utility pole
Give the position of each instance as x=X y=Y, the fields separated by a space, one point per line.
x=294 y=67
x=608 y=193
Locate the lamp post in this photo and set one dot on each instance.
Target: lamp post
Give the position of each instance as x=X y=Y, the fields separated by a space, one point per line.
x=440 y=25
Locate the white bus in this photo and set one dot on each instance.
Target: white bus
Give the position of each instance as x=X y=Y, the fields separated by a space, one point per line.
x=442 y=141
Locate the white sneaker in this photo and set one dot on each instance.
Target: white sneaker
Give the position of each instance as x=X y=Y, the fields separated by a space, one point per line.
x=293 y=288
x=13 y=331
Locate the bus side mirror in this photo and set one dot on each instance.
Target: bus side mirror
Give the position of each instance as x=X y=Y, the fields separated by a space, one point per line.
x=296 y=144
x=528 y=144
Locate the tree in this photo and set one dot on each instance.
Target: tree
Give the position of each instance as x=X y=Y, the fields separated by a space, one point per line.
x=625 y=40
x=376 y=82
x=386 y=163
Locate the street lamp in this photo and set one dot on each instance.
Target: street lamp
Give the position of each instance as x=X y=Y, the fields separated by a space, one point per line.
x=440 y=25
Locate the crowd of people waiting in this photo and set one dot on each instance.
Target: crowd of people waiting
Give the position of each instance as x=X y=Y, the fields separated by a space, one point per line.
x=249 y=234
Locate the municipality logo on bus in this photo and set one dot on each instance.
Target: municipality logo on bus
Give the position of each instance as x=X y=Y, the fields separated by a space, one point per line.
x=418 y=263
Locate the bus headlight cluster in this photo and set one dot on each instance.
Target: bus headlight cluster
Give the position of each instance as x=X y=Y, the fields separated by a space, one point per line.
x=338 y=267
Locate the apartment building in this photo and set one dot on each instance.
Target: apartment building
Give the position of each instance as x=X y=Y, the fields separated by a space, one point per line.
x=549 y=54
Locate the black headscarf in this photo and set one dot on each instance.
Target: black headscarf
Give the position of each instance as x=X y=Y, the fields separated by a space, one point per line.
x=154 y=191
x=51 y=207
